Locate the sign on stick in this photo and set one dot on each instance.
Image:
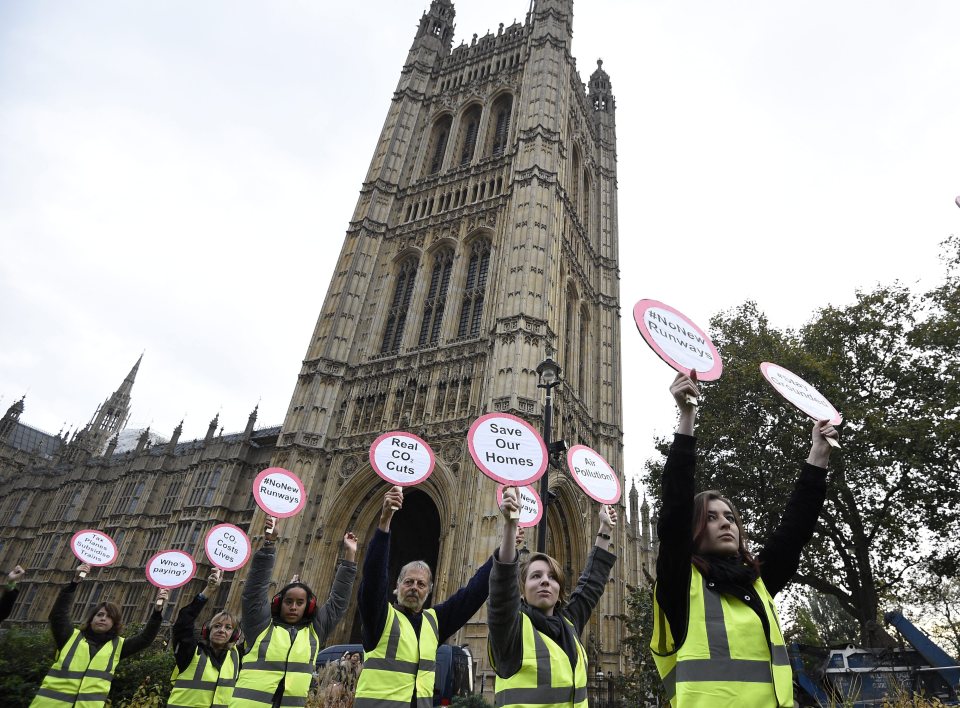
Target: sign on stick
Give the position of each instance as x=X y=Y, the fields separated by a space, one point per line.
x=402 y=458
x=170 y=569
x=593 y=474
x=279 y=492
x=530 y=507
x=227 y=547
x=802 y=395
x=677 y=340
x=507 y=449
x=93 y=547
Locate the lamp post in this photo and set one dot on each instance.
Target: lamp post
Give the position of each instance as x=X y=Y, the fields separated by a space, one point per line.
x=549 y=374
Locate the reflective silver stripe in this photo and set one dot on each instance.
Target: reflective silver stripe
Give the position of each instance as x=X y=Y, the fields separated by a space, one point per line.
x=252 y=694
x=378 y=702
x=539 y=696
x=425 y=702
x=293 y=701
x=201 y=667
x=727 y=670
x=779 y=654
x=401 y=667
x=313 y=648
x=113 y=653
x=295 y=666
x=196 y=684
x=68 y=659
x=433 y=622
x=394 y=642
x=670 y=684
x=716 y=627
x=264 y=645
x=544 y=669
x=72 y=698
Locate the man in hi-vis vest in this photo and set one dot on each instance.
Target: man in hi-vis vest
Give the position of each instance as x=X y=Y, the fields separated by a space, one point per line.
x=288 y=631
x=401 y=639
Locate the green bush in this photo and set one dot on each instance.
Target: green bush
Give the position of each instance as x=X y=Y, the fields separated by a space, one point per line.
x=27 y=653
x=471 y=701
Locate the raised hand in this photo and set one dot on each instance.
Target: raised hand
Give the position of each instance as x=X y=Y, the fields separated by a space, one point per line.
x=81 y=573
x=213 y=581
x=392 y=502
x=350 y=545
x=608 y=517
x=270 y=528
x=820 y=444
x=162 y=596
x=14 y=575
x=510 y=504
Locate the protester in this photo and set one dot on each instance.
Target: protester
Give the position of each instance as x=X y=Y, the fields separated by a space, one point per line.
x=207 y=666
x=401 y=640
x=717 y=640
x=289 y=630
x=87 y=656
x=10 y=592
x=534 y=641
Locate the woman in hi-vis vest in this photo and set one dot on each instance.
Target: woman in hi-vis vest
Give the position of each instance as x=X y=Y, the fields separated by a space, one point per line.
x=717 y=640
x=87 y=656
x=534 y=640
x=207 y=666
x=288 y=631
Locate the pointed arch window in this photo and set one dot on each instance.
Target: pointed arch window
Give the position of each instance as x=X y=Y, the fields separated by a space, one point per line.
x=437 y=146
x=469 y=126
x=587 y=186
x=502 y=108
x=397 y=317
x=582 y=370
x=436 y=298
x=474 y=291
x=569 y=330
x=575 y=178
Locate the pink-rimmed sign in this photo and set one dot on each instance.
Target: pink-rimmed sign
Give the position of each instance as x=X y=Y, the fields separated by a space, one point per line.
x=800 y=393
x=227 y=547
x=507 y=449
x=170 y=569
x=93 y=547
x=402 y=458
x=594 y=475
x=531 y=510
x=279 y=492
x=677 y=340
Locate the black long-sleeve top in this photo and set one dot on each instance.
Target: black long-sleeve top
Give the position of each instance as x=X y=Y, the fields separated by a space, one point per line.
x=452 y=613
x=778 y=559
x=62 y=627
x=185 y=643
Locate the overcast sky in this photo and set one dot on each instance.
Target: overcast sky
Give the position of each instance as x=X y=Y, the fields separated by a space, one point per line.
x=176 y=178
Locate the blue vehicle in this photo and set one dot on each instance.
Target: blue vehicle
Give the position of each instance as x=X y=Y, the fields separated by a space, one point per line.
x=862 y=678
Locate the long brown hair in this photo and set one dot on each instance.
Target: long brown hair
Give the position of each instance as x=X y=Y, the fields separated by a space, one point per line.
x=112 y=611
x=554 y=568
x=700 y=504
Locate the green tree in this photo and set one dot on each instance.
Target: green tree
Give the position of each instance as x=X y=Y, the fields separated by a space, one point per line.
x=889 y=363
x=640 y=685
x=819 y=620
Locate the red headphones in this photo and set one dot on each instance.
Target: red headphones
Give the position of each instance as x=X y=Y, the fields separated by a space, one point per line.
x=311 y=600
x=205 y=632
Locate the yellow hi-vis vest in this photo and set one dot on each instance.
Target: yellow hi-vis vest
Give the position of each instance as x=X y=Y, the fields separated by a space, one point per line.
x=275 y=656
x=203 y=685
x=545 y=678
x=78 y=679
x=725 y=660
x=399 y=663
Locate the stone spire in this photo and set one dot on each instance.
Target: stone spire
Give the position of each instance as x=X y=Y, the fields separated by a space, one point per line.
x=251 y=420
x=211 y=429
x=109 y=419
x=601 y=92
x=435 y=31
x=174 y=439
x=11 y=418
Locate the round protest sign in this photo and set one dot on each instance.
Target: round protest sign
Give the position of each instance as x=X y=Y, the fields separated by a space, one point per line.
x=677 y=340
x=93 y=547
x=170 y=569
x=227 y=547
x=279 y=492
x=507 y=449
x=593 y=474
x=530 y=507
x=800 y=393
x=401 y=458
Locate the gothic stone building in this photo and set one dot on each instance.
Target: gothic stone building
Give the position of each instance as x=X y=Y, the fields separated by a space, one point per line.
x=484 y=240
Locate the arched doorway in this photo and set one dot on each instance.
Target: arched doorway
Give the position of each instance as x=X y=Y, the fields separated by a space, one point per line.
x=414 y=535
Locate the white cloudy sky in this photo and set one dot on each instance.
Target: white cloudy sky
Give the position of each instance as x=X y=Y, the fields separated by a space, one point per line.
x=175 y=177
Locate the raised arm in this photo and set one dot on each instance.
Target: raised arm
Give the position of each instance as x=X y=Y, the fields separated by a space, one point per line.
x=10 y=592
x=61 y=625
x=185 y=627
x=374 y=586
x=141 y=641
x=781 y=553
x=675 y=525
x=254 y=601
x=503 y=607
x=593 y=580
x=331 y=612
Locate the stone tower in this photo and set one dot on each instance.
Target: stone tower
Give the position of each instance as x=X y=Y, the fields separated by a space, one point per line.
x=108 y=420
x=484 y=239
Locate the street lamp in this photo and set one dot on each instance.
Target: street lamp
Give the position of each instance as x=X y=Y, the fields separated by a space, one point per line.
x=549 y=373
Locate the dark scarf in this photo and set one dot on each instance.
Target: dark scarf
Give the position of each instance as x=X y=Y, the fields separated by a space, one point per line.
x=554 y=627
x=731 y=570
